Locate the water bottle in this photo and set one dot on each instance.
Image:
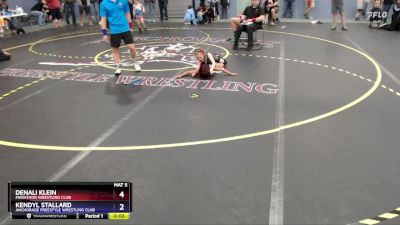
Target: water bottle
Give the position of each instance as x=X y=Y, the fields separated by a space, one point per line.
x=18 y=10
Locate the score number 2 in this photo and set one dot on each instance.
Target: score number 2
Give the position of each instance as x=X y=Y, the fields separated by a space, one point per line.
x=121 y=206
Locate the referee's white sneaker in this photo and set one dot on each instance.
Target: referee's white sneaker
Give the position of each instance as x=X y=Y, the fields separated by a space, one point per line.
x=137 y=66
x=118 y=71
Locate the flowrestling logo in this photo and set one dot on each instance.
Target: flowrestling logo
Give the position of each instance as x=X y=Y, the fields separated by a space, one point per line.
x=146 y=81
x=377 y=15
x=170 y=54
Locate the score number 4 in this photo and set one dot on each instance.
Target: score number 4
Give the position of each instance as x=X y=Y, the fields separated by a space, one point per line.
x=121 y=206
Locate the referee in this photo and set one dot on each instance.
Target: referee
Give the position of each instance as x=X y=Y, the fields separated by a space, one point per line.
x=116 y=13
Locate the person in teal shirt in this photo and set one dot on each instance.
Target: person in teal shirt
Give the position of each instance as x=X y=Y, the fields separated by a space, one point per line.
x=117 y=14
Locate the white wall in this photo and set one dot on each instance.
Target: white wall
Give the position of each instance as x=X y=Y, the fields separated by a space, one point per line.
x=322 y=8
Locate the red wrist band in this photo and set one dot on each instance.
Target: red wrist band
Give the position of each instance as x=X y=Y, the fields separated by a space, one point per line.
x=130 y=24
x=254 y=20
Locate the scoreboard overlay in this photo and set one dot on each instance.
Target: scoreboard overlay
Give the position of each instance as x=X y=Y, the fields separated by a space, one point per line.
x=70 y=200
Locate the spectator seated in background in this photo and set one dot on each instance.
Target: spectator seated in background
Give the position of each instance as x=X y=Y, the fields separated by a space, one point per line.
x=375 y=17
x=386 y=7
x=37 y=11
x=12 y=23
x=46 y=10
x=3 y=5
x=190 y=18
x=13 y=28
x=209 y=15
x=250 y=21
x=201 y=15
x=271 y=7
x=395 y=24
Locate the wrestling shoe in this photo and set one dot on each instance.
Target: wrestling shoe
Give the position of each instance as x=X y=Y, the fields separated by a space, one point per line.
x=137 y=66
x=118 y=71
x=249 y=47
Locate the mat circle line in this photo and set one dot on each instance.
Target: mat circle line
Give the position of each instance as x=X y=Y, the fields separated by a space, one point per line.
x=224 y=139
x=59 y=37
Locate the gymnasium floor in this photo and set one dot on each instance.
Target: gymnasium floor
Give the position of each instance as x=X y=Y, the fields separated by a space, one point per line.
x=307 y=134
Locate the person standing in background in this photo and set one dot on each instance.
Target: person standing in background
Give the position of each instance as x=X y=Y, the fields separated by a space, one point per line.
x=224 y=9
x=310 y=4
x=360 y=9
x=84 y=8
x=150 y=5
x=55 y=11
x=369 y=4
x=289 y=9
x=337 y=8
x=138 y=11
x=95 y=6
x=387 y=5
x=69 y=8
x=163 y=4
x=216 y=8
x=209 y=13
x=130 y=2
